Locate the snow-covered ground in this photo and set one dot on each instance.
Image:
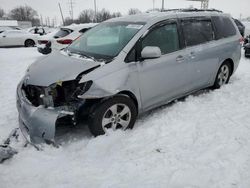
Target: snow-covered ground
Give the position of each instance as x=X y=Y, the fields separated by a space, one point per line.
x=203 y=141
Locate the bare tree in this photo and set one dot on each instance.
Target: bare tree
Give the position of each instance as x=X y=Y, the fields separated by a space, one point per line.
x=133 y=11
x=24 y=13
x=86 y=16
x=1 y=13
x=103 y=15
x=68 y=21
x=116 y=14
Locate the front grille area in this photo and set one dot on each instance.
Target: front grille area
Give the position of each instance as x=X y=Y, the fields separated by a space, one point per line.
x=52 y=96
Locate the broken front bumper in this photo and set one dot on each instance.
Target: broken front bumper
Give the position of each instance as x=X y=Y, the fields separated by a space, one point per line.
x=37 y=124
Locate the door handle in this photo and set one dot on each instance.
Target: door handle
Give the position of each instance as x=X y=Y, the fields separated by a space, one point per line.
x=180 y=59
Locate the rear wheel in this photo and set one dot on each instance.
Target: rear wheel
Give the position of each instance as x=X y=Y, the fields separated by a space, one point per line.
x=118 y=112
x=29 y=43
x=223 y=75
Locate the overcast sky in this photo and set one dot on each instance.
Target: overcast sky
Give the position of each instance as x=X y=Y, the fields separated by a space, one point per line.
x=50 y=7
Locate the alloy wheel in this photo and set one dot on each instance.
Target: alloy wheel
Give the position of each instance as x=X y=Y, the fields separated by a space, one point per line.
x=118 y=116
x=223 y=75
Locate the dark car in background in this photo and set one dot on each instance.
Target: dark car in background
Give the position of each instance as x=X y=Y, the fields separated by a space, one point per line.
x=247 y=46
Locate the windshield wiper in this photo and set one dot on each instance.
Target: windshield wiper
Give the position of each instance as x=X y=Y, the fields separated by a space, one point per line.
x=87 y=56
x=70 y=53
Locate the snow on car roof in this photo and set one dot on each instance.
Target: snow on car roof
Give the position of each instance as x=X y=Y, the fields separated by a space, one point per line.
x=80 y=26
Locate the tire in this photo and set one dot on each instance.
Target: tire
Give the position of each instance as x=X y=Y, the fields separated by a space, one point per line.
x=110 y=114
x=246 y=55
x=29 y=43
x=223 y=75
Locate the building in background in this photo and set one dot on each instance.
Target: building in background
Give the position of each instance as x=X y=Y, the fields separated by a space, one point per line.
x=15 y=24
x=24 y=24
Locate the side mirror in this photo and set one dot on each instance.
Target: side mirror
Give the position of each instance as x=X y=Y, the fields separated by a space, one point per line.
x=150 y=52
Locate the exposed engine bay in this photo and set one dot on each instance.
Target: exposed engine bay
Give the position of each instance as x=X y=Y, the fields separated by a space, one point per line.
x=56 y=95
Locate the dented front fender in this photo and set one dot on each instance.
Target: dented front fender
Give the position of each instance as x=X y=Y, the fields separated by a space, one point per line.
x=111 y=79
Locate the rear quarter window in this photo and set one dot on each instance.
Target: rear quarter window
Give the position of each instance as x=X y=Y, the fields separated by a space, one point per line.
x=223 y=27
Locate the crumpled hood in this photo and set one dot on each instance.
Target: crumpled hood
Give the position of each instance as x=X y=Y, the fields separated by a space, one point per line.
x=57 y=67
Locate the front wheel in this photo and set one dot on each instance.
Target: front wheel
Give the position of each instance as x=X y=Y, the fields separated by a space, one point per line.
x=223 y=75
x=118 y=112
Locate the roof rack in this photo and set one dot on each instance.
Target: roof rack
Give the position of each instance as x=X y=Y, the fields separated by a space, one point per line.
x=191 y=10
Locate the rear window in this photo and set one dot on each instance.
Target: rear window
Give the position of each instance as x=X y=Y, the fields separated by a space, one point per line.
x=62 y=33
x=224 y=27
x=238 y=23
x=84 y=30
x=197 y=31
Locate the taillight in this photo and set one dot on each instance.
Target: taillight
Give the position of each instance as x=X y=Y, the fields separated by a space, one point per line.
x=43 y=41
x=65 y=41
x=241 y=40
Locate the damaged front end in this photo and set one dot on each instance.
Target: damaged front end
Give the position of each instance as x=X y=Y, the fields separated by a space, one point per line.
x=41 y=109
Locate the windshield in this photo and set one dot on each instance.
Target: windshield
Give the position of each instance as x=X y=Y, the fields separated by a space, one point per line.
x=106 y=40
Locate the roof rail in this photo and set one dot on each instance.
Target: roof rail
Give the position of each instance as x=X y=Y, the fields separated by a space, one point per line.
x=191 y=10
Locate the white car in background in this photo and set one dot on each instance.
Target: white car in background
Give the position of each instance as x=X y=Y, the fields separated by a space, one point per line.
x=17 y=38
x=4 y=28
x=62 y=37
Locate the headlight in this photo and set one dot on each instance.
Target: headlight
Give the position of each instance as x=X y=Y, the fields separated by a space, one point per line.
x=83 y=87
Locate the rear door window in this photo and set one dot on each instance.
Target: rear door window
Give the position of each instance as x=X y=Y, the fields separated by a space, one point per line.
x=223 y=26
x=165 y=37
x=197 y=31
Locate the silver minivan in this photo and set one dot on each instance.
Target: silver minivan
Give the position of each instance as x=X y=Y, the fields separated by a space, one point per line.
x=124 y=67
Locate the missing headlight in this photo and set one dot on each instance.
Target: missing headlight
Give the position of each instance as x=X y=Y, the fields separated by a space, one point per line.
x=82 y=88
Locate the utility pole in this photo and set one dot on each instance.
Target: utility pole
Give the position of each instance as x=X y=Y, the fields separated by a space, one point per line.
x=61 y=13
x=153 y=4
x=71 y=12
x=162 y=5
x=41 y=18
x=95 y=11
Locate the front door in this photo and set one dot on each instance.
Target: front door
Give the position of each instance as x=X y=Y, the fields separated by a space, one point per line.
x=164 y=78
